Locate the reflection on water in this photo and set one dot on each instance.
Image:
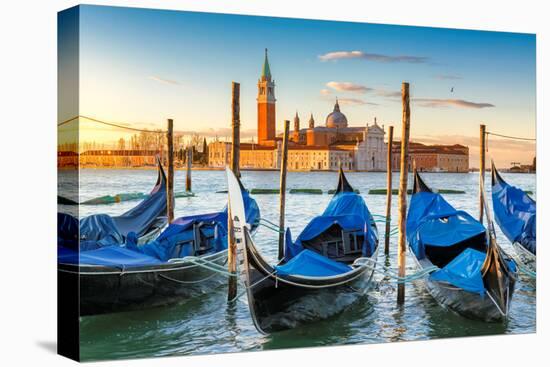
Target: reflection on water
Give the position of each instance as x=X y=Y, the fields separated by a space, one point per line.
x=207 y=324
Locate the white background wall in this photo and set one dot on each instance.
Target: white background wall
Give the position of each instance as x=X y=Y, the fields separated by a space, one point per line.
x=28 y=250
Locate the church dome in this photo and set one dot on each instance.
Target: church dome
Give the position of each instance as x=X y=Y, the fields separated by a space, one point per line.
x=336 y=118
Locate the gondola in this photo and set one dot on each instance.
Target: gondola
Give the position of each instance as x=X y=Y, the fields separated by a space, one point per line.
x=146 y=220
x=516 y=214
x=166 y=270
x=473 y=277
x=329 y=267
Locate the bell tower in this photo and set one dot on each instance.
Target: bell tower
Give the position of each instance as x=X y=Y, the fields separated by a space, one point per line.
x=266 y=105
x=296 y=134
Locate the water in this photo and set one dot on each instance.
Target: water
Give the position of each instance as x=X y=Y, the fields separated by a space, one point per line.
x=207 y=324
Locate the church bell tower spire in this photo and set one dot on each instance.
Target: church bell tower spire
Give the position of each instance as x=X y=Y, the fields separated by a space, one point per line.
x=266 y=105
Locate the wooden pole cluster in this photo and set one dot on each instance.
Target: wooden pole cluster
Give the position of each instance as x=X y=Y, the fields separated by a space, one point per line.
x=170 y=178
x=482 y=148
x=282 y=190
x=235 y=153
x=189 y=164
x=402 y=203
x=388 y=192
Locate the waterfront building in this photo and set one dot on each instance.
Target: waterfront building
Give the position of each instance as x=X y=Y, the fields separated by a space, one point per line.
x=433 y=158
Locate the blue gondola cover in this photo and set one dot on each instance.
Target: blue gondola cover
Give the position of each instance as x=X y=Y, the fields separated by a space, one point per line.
x=309 y=263
x=464 y=271
x=515 y=213
x=112 y=256
x=432 y=220
x=100 y=230
x=181 y=230
x=347 y=210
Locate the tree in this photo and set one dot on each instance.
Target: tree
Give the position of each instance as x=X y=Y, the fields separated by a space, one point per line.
x=121 y=144
x=204 y=152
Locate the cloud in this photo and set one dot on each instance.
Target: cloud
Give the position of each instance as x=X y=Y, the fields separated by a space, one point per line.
x=348 y=87
x=448 y=77
x=436 y=103
x=338 y=55
x=326 y=95
x=387 y=93
x=163 y=80
x=355 y=102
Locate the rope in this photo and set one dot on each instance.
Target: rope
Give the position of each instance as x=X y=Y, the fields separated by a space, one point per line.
x=271 y=228
x=392 y=273
x=188 y=281
x=67 y=121
x=118 y=125
x=207 y=264
x=269 y=222
x=510 y=137
x=524 y=270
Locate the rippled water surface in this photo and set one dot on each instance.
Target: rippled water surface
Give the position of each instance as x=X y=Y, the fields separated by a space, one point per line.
x=207 y=324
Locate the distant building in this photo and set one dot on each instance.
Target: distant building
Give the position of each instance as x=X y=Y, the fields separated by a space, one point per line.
x=523 y=168
x=219 y=154
x=433 y=158
x=118 y=158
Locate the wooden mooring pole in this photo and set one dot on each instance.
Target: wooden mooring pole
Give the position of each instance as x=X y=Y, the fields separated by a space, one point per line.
x=282 y=191
x=482 y=148
x=235 y=154
x=402 y=202
x=189 y=165
x=388 y=193
x=170 y=178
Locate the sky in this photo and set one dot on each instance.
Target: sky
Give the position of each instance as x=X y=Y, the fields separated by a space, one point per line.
x=140 y=67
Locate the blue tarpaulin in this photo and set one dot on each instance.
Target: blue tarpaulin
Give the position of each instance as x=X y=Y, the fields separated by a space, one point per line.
x=101 y=230
x=181 y=229
x=515 y=213
x=113 y=256
x=431 y=220
x=310 y=263
x=347 y=210
x=464 y=271
x=67 y=231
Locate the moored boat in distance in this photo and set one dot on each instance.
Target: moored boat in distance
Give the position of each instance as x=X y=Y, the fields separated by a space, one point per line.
x=328 y=268
x=182 y=262
x=515 y=212
x=473 y=277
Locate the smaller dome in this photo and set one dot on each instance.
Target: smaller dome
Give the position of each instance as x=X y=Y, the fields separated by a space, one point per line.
x=336 y=118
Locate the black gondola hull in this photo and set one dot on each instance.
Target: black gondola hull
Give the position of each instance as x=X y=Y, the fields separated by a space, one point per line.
x=108 y=290
x=276 y=305
x=467 y=304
